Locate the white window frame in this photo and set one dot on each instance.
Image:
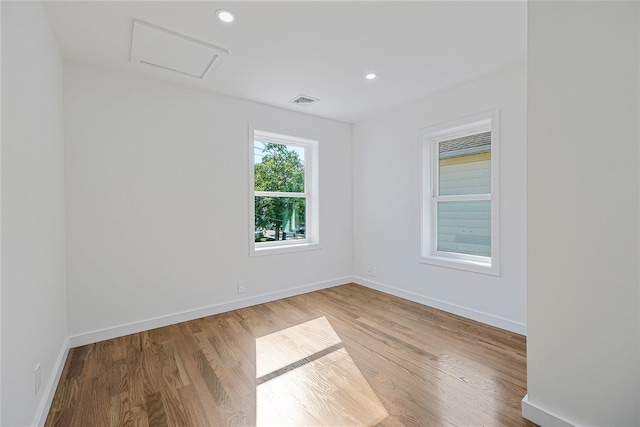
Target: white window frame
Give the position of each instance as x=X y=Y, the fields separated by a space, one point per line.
x=311 y=240
x=429 y=139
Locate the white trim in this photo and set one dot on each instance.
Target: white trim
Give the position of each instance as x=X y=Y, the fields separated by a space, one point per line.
x=279 y=194
x=536 y=414
x=460 y=263
x=145 y=325
x=284 y=247
x=429 y=137
x=311 y=194
x=184 y=316
x=469 y=313
x=0 y=218
x=52 y=385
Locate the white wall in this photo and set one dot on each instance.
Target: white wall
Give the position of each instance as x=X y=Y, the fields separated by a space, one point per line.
x=387 y=153
x=33 y=249
x=583 y=195
x=158 y=201
x=0 y=214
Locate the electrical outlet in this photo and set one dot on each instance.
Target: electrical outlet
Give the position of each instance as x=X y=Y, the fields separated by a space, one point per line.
x=241 y=287
x=374 y=271
x=369 y=271
x=38 y=378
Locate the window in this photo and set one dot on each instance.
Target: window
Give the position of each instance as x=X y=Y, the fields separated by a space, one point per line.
x=284 y=196
x=460 y=197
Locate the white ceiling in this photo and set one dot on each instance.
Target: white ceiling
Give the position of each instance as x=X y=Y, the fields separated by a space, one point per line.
x=279 y=50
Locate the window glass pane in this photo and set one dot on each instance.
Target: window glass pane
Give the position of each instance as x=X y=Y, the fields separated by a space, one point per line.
x=278 y=167
x=465 y=165
x=465 y=227
x=280 y=218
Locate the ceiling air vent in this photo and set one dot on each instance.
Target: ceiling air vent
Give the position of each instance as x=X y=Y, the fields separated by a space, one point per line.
x=303 y=100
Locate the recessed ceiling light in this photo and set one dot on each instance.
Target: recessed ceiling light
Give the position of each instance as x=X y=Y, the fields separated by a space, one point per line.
x=225 y=15
x=371 y=76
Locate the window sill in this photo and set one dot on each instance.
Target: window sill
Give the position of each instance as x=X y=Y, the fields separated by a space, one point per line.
x=461 y=264
x=280 y=249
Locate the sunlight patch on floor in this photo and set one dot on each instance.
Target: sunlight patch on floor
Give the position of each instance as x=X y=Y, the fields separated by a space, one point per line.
x=306 y=377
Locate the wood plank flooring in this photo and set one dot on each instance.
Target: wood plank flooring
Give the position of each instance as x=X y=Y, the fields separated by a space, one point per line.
x=347 y=355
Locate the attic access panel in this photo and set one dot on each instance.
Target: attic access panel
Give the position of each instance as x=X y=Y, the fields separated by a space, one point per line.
x=165 y=49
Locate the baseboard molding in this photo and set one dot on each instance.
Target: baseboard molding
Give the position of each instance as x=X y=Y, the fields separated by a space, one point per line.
x=171 y=319
x=529 y=411
x=50 y=388
x=537 y=415
x=459 y=310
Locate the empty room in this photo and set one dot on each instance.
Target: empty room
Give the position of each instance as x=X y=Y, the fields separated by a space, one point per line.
x=319 y=213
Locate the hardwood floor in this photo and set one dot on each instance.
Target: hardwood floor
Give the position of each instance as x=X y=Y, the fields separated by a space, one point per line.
x=347 y=355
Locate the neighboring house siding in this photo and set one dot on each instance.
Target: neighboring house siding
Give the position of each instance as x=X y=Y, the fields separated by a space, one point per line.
x=466 y=174
x=465 y=226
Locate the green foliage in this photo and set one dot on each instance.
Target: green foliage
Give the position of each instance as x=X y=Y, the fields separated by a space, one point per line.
x=280 y=170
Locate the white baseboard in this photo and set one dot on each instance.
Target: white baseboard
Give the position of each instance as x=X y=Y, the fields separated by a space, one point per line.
x=50 y=389
x=171 y=319
x=145 y=325
x=469 y=313
x=536 y=414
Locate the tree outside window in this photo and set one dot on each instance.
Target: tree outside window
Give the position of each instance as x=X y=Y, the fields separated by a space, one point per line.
x=279 y=184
